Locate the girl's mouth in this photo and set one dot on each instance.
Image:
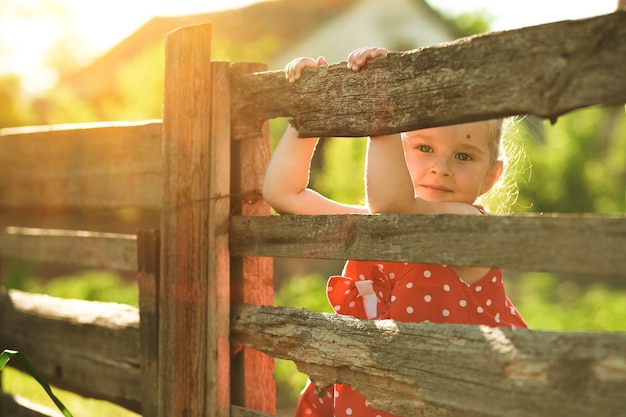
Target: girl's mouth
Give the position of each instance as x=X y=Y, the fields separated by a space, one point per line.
x=434 y=187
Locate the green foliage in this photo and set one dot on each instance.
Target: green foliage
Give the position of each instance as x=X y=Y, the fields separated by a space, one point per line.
x=140 y=83
x=289 y=383
x=25 y=364
x=307 y=291
x=466 y=23
x=255 y=51
x=13 y=102
x=105 y=286
x=473 y=22
x=277 y=127
x=548 y=302
x=65 y=105
x=578 y=164
x=93 y=286
x=341 y=177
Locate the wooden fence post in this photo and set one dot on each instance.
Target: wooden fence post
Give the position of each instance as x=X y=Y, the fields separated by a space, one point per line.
x=253 y=385
x=194 y=291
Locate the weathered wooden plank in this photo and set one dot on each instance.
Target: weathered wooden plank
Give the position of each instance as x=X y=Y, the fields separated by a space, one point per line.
x=543 y=70
x=218 y=314
x=125 y=221
x=148 y=266
x=80 y=248
x=90 y=348
x=16 y=406
x=253 y=384
x=432 y=369
x=104 y=165
x=559 y=243
x=194 y=288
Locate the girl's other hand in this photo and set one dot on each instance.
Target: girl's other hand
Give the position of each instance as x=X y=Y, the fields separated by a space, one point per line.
x=358 y=58
x=293 y=70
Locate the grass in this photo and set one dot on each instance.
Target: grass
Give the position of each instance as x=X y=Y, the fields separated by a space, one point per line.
x=16 y=382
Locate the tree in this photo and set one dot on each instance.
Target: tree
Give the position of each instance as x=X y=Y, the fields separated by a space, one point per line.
x=15 y=106
x=578 y=164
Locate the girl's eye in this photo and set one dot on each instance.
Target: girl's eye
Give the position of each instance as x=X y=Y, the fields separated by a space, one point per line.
x=464 y=157
x=424 y=148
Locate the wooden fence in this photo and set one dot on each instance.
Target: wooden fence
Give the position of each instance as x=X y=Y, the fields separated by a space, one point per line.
x=204 y=262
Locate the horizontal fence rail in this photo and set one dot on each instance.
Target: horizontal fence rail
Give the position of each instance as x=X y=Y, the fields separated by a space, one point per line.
x=529 y=243
x=426 y=369
x=545 y=70
x=563 y=243
x=92 y=250
x=90 y=348
x=88 y=166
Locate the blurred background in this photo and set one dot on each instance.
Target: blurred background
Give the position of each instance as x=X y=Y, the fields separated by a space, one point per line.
x=67 y=61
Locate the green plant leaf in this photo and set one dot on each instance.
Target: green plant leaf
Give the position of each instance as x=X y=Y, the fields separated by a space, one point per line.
x=25 y=364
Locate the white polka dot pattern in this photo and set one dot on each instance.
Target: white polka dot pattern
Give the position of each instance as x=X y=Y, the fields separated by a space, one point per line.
x=423 y=292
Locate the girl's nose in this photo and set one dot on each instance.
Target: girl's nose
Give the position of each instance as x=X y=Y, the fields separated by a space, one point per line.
x=440 y=166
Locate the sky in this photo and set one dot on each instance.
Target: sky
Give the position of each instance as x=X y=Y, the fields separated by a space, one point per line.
x=101 y=25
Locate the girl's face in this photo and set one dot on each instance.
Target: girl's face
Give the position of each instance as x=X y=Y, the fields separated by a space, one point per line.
x=452 y=163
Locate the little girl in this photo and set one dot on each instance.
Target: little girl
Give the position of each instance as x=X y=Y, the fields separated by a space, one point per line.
x=437 y=170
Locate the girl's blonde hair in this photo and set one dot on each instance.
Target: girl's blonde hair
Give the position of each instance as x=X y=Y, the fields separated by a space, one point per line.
x=505 y=147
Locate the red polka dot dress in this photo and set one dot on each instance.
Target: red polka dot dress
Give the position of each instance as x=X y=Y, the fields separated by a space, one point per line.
x=406 y=292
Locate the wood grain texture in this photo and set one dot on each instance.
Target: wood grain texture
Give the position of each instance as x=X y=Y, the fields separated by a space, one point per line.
x=218 y=256
x=253 y=384
x=543 y=70
x=194 y=290
x=432 y=369
x=559 y=243
x=148 y=277
x=183 y=296
x=104 y=165
x=92 y=250
x=90 y=348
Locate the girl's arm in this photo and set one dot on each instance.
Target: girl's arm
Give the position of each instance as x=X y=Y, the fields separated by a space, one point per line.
x=389 y=185
x=287 y=178
x=388 y=182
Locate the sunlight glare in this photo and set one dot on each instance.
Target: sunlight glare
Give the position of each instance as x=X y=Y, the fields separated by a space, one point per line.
x=30 y=29
x=105 y=24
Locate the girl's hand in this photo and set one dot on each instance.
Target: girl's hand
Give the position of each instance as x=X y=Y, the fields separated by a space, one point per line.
x=293 y=70
x=358 y=58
